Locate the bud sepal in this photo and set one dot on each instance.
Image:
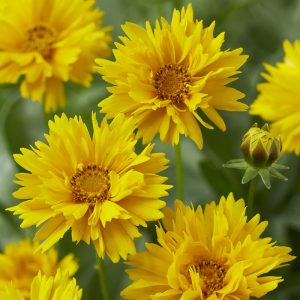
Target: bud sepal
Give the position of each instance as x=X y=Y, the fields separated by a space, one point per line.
x=251 y=172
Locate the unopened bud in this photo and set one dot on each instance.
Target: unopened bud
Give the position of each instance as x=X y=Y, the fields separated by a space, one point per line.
x=260 y=147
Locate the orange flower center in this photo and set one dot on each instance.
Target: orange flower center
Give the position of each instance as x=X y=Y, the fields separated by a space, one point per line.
x=26 y=266
x=41 y=39
x=212 y=275
x=172 y=83
x=90 y=184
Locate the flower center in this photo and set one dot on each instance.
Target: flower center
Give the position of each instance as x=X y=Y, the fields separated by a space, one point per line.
x=27 y=266
x=172 y=83
x=90 y=184
x=41 y=39
x=212 y=275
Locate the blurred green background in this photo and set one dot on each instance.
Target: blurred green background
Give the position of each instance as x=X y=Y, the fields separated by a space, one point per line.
x=258 y=26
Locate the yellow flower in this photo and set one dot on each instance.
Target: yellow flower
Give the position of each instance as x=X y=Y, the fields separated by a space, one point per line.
x=20 y=263
x=56 y=287
x=9 y=292
x=210 y=254
x=278 y=99
x=50 y=43
x=165 y=77
x=96 y=186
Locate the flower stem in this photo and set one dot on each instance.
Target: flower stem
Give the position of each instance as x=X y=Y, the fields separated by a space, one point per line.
x=103 y=280
x=251 y=193
x=179 y=176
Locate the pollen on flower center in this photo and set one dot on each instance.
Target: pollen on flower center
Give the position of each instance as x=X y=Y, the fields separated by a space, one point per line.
x=211 y=273
x=90 y=184
x=41 y=39
x=172 y=83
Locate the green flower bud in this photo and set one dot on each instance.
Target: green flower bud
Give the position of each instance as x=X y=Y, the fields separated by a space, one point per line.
x=260 y=147
x=261 y=150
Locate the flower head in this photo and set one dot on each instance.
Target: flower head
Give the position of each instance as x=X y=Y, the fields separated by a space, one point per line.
x=260 y=147
x=20 y=263
x=59 y=286
x=43 y=287
x=50 y=43
x=215 y=253
x=9 y=292
x=165 y=77
x=278 y=100
x=98 y=186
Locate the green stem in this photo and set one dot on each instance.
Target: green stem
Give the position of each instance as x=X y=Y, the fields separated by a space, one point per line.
x=179 y=175
x=251 y=193
x=103 y=280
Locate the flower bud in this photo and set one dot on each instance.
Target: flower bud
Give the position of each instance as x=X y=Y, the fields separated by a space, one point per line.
x=260 y=147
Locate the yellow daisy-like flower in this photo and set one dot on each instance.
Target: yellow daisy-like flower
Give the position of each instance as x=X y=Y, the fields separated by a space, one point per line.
x=210 y=254
x=278 y=100
x=20 y=263
x=165 y=77
x=56 y=287
x=50 y=42
x=9 y=292
x=98 y=186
